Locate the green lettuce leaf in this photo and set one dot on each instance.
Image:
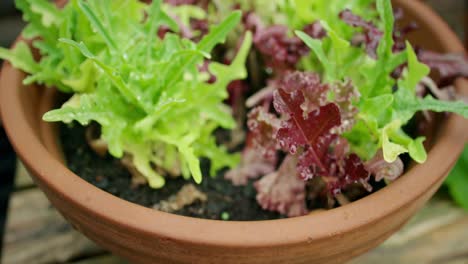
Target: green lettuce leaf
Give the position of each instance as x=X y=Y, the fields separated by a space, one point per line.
x=457 y=181
x=20 y=57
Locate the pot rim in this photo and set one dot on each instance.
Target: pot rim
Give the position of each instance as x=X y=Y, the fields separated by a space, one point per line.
x=89 y=199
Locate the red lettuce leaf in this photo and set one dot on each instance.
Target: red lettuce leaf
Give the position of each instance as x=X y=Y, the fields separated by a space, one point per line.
x=252 y=166
x=263 y=126
x=449 y=66
x=300 y=130
x=262 y=97
x=345 y=95
x=283 y=191
x=401 y=31
x=309 y=84
x=315 y=161
x=352 y=171
x=201 y=3
x=312 y=134
x=372 y=35
x=315 y=30
x=259 y=156
x=308 y=129
x=197 y=28
x=381 y=169
x=280 y=51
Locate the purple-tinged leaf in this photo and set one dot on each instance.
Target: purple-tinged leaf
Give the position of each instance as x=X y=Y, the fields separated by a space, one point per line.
x=237 y=90
x=259 y=156
x=372 y=35
x=313 y=91
x=252 y=166
x=307 y=130
x=262 y=97
x=200 y=25
x=263 y=127
x=345 y=96
x=283 y=191
x=314 y=162
x=353 y=171
x=253 y=22
x=445 y=93
x=312 y=132
x=449 y=66
x=315 y=30
x=280 y=52
x=298 y=131
x=201 y=3
x=205 y=68
x=197 y=27
x=381 y=169
x=401 y=31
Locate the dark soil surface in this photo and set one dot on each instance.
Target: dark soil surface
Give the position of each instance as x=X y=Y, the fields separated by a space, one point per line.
x=106 y=173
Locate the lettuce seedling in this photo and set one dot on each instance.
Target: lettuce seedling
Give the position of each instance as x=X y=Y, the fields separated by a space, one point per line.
x=146 y=92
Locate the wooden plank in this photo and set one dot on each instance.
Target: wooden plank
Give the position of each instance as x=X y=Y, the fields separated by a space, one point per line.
x=437 y=234
x=36 y=233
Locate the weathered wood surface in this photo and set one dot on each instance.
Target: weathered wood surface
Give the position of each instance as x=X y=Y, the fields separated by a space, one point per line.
x=438 y=234
x=36 y=233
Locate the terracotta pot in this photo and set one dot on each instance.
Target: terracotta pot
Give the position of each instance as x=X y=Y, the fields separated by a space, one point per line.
x=148 y=236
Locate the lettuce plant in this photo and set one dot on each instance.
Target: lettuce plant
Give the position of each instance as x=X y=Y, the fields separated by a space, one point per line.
x=145 y=92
